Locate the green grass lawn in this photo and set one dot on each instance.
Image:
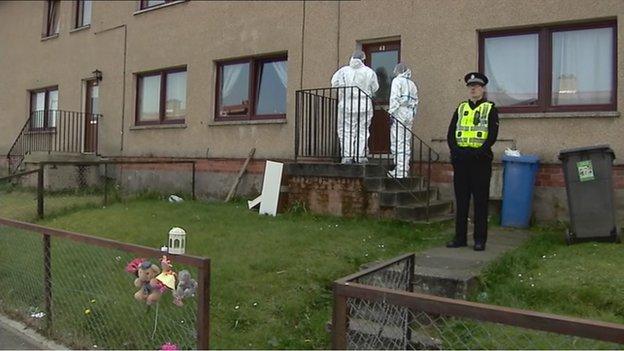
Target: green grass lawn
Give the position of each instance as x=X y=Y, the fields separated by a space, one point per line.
x=545 y=275
x=271 y=277
x=20 y=203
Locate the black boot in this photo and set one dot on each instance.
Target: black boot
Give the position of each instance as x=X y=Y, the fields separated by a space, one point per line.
x=479 y=247
x=456 y=243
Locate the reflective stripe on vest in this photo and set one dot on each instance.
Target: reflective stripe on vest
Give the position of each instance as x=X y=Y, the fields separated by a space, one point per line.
x=472 y=125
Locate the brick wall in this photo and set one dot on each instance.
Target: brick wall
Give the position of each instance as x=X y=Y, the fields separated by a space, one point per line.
x=548 y=175
x=345 y=197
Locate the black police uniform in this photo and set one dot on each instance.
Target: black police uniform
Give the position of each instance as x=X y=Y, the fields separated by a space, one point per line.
x=472 y=169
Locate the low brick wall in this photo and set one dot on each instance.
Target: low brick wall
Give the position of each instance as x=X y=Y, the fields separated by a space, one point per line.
x=550 y=199
x=335 y=196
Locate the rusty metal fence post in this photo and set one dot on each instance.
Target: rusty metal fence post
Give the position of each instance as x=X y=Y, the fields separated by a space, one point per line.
x=47 y=280
x=40 y=185
x=339 y=320
x=193 y=181
x=203 y=306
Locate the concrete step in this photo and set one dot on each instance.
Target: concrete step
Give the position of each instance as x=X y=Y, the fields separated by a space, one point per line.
x=38 y=156
x=451 y=283
x=418 y=212
x=386 y=333
x=387 y=183
x=406 y=197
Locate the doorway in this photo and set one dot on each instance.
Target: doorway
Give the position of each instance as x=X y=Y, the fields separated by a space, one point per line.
x=92 y=111
x=381 y=57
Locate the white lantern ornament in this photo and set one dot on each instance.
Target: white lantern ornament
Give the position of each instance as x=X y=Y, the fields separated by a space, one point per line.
x=177 y=241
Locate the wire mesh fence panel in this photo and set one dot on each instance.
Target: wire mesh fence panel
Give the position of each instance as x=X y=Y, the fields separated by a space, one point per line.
x=18 y=197
x=94 y=304
x=21 y=276
x=383 y=330
x=83 y=295
x=375 y=317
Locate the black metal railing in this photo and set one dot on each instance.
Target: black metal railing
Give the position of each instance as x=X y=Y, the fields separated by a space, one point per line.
x=333 y=123
x=55 y=131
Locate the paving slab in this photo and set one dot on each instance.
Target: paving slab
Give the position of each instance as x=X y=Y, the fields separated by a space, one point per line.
x=17 y=336
x=454 y=272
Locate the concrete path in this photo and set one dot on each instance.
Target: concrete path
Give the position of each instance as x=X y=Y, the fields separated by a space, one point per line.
x=16 y=336
x=453 y=272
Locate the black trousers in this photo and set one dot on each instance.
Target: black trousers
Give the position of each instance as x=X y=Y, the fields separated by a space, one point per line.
x=472 y=179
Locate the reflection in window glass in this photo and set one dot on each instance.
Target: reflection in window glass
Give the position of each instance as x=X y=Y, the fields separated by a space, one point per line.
x=86 y=12
x=151 y=3
x=176 y=96
x=511 y=64
x=582 y=67
x=149 y=98
x=272 y=88
x=52 y=108
x=36 y=108
x=234 y=89
x=383 y=64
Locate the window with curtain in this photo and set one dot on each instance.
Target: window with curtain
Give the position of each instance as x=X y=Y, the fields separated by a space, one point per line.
x=550 y=69
x=161 y=97
x=83 y=13
x=52 y=17
x=43 y=108
x=253 y=88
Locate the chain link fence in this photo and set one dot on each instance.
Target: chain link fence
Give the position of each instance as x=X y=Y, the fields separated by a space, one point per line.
x=68 y=185
x=75 y=289
x=376 y=309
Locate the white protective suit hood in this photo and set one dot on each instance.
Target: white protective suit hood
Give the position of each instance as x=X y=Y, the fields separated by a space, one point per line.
x=403 y=98
x=356 y=63
x=407 y=74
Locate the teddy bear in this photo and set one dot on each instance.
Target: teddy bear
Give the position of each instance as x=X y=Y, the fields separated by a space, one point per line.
x=150 y=291
x=186 y=287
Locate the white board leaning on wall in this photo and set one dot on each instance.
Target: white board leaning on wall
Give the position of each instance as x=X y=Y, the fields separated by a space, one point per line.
x=271 y=184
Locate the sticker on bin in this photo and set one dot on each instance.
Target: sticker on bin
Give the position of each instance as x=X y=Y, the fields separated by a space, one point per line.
x=585 y=170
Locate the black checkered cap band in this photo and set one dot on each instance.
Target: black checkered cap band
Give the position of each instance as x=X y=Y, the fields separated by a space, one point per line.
x=475 y=80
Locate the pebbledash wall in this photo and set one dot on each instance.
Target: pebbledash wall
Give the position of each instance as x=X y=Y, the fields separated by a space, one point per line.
x=317 y=38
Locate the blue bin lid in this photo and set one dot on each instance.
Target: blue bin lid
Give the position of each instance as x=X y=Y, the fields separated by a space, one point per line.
x=521 y=159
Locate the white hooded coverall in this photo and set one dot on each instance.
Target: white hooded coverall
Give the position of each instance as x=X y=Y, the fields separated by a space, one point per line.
x=355 y=108
x=403 y=106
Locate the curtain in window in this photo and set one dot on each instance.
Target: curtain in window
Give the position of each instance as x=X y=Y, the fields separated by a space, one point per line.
x=53 y=17
x=37 y=109
x=582 y=71
x=281 y=70
x=52 y=108
x=234 y=88
x=271 y=98
x=511 y=64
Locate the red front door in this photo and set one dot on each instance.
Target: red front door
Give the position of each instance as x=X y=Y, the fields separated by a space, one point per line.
x=92 y=111
x=382 y=57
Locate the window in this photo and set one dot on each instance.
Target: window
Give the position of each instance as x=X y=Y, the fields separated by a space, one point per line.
x=43 y=108
x=550 y=69
x=83 y=13
x=253 y=88
x=52 y=18
x=161 y=97
x=145 y=4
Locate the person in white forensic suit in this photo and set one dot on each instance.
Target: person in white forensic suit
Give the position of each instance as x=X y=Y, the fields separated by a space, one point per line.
x=355 y=107
x=403 y=107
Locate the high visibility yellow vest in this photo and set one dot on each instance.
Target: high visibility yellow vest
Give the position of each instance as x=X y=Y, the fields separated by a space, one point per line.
x=472 y=125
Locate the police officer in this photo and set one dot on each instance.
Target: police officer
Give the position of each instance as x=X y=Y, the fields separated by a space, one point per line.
x=471 y=134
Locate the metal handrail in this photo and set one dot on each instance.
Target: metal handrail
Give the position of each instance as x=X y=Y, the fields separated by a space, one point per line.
x=317 y=132
x=55 y=131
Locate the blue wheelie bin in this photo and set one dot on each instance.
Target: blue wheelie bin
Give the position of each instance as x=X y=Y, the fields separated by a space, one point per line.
x=518 y=183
